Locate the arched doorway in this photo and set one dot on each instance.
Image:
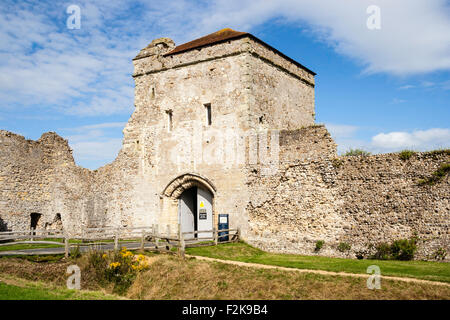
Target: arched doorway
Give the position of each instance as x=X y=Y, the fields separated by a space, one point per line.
x=195 y=212
x=192 y=196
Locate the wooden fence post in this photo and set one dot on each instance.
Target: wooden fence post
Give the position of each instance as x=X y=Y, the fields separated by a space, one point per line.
x=215 y=235
x=116 y=240
x=142 y=240
x=181 y=249
x=66 y=246
x=156 y=237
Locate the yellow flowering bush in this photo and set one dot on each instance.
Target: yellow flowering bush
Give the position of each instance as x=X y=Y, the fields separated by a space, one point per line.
x=118 y=267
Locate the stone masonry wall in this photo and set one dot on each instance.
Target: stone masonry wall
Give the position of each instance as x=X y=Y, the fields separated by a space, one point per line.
x=39 y=177
x=357 y=200
x=305 y=194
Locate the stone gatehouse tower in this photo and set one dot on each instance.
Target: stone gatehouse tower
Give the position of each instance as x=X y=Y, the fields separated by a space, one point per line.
x=225 y=125
x=198 y=107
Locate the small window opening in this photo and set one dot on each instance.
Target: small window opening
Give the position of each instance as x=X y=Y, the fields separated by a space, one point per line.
x=169 y=120
x=153 y=92
x=208 y=114
x=261 y=119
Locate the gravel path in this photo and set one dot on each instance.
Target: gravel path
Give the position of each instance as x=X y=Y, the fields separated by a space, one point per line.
x=329 y=273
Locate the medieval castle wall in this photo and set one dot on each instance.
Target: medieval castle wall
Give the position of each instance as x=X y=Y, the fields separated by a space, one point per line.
x=359 y=200
x=40 y=177
x=274 y=171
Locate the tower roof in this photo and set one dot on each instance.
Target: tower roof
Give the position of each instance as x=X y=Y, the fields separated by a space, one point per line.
x=226 y=35
x=215 y=37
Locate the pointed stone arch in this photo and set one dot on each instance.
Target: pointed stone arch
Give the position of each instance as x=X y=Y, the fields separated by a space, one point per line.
x=178 y=185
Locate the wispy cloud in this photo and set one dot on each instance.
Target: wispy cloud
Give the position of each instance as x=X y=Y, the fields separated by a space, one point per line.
x=397 y=101
x=87 y=72
x=406 y=87
x=402 y=46
x=427 y=85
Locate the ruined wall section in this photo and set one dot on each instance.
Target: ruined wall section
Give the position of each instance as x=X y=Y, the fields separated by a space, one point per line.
x=292 y=208
x=40 y=177
x=113 y=199
x=356 y=200
x=382 y=200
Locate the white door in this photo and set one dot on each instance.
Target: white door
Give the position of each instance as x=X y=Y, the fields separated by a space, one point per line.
x=204 y=213
x=187 y=213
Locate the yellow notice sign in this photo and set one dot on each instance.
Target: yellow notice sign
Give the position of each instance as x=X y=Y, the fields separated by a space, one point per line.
x=201 y=204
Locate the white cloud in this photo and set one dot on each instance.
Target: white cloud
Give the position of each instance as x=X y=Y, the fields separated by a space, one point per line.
x=413 y=38
x=346 y=137
x=419 y=140
x=82 y=72
x=87 y=72
x=100 y=126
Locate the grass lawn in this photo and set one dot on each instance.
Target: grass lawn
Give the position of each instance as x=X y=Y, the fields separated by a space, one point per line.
x=427 y=270
x=20 y=289
x=24 y=246
x=172 y=277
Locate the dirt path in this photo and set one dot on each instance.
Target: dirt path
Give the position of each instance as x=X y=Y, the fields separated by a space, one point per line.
x=329 y=273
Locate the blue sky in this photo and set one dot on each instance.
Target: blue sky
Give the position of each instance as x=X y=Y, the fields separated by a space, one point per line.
x=381 y=90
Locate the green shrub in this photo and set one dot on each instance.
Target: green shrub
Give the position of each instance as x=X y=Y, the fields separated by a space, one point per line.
x=406 y=154
x=344 y=246
x=382 y=251
x=357 y=152
x=319 y=245
x=402 y=249
x=437 y=176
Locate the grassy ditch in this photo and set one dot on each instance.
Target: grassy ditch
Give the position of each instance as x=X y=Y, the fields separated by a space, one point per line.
x=167 y=276
x=426 y=270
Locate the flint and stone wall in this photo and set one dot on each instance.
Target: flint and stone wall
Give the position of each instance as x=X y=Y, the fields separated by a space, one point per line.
x=306 y=194
x=359 y=200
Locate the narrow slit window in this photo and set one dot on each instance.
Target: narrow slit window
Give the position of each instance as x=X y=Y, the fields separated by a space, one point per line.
x=169 y=120
x=208 y=114
x=152 y=92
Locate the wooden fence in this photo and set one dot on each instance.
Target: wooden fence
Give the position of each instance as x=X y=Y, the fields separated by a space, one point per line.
x=147 y=238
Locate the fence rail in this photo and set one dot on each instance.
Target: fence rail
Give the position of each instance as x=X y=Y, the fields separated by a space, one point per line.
x=145 y=237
